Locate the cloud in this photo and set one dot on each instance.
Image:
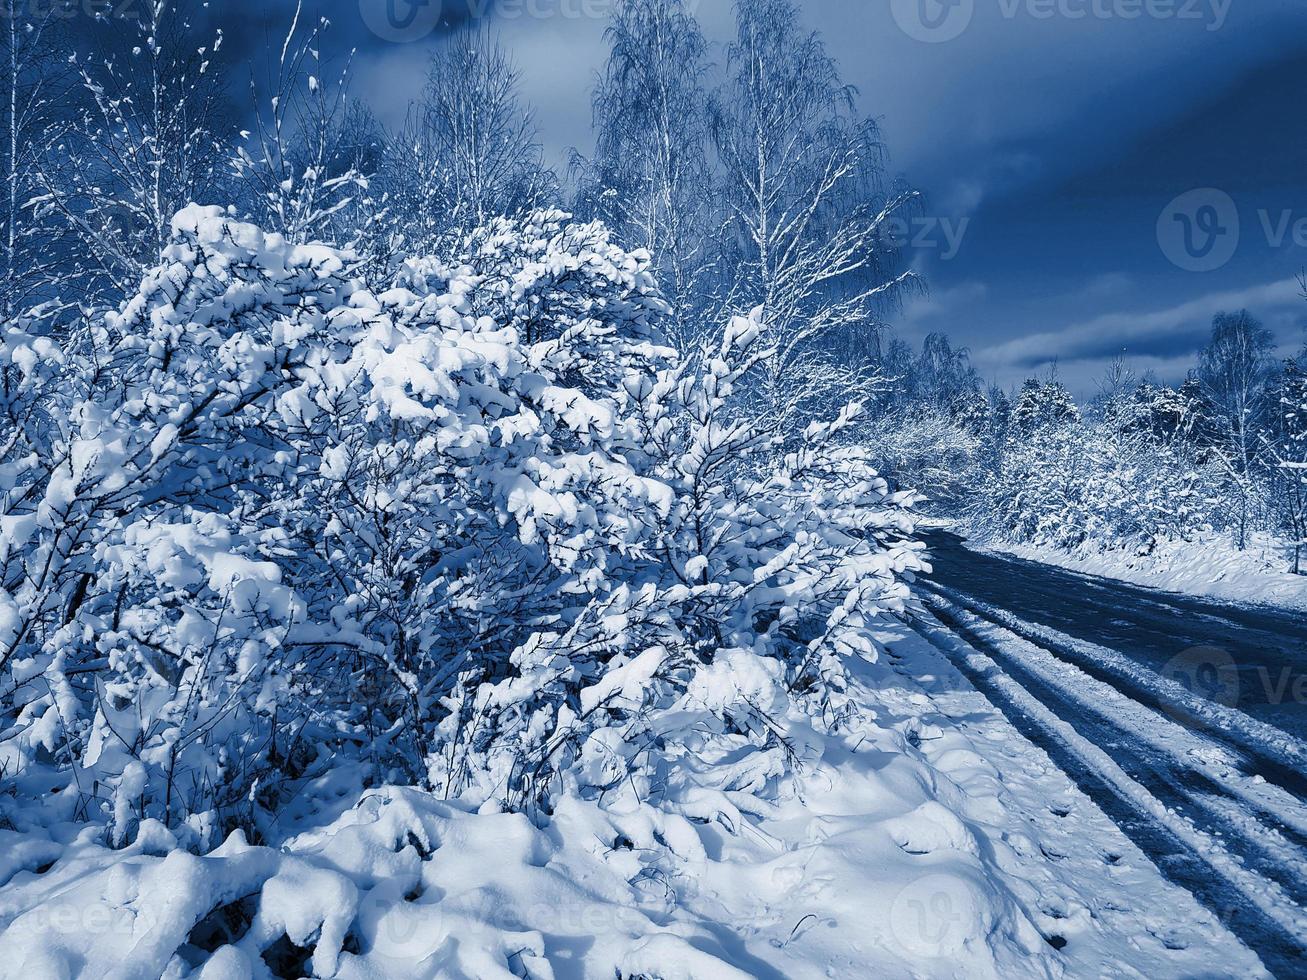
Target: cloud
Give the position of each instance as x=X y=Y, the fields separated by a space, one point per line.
x=1105 y=286
x=924 y=312
x=559 y=58
x=1021 y=96
x=1158 y=339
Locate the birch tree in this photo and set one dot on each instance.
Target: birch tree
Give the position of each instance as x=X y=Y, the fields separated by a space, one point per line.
x=650 y=177
x=480 y=130
x=1233 y=370
x=809 y=218
x=35 y=84
x=419 y=187
x=1286 y=444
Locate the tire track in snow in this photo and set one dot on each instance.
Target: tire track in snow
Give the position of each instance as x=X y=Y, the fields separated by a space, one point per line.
x=1145 y=629
x=1270 y=752
x=1154 y=751
x=1279 y=790
x=1144 y=746
x=1189 y=847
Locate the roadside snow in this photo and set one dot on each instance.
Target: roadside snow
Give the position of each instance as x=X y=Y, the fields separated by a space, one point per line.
x=1071 y=867
x=932 y=840
x=1212 y=567
x=1218 y=821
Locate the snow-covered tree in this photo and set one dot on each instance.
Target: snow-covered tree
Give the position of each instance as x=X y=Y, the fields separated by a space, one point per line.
x=1164 y=411
x=478 y=531
x=931 y=428
x=418 y=188
x=481 y=131
x=143 y=141
x=921 y=446
x=1287 y=446
x=300 y=170
x=1042 y=404
x=35 y=73
x=1094 y=484
x=808 y=215
x=1233 y=370
x=944 y=377
x=1123 y=476
x=650 y=178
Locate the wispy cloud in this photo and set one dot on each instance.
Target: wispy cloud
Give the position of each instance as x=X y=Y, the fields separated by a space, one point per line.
x=1162 y=340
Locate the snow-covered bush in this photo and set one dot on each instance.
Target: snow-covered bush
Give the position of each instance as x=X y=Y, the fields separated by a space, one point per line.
x=479 y=532
x=1099 y=484
x=1043 y=406
x=923 y=447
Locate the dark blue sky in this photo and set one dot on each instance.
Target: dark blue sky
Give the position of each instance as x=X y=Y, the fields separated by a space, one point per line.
x=1053 y=133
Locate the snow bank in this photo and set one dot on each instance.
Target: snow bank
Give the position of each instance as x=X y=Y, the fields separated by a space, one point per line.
x=930 y=840
x=403 y=885
x=1213 y=567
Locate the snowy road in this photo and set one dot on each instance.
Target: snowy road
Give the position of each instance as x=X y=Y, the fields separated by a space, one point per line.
x=1267 y=647
x=1182 y=719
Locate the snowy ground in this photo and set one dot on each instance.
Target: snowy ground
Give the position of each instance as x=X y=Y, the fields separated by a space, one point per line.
x=935 y=840
x=1213 y=797
x=1212 y=567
